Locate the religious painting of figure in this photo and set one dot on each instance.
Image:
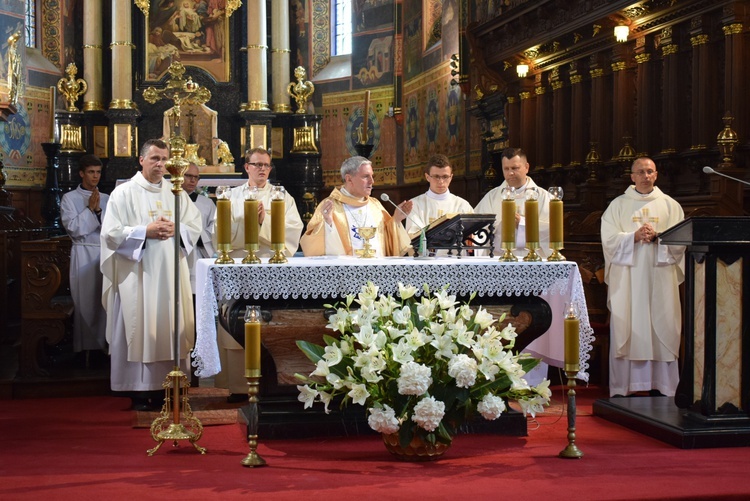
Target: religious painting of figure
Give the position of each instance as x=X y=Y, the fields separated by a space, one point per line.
x=375 y=65
x=194 y=32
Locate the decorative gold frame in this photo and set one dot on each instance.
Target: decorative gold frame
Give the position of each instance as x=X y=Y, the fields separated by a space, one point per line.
x=122 y=144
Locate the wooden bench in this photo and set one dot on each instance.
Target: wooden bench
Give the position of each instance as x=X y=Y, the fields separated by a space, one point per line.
x=46 y=304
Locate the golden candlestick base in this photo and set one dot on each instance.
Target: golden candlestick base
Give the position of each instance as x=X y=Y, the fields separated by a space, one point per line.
x=556 y=256
x=224 y=258
x=532 y=256
x=571 y=451
x=508 y=256
x=253 y=459
x=168 y=426
x=278 y=254
x=251 y=258
x=366 y=232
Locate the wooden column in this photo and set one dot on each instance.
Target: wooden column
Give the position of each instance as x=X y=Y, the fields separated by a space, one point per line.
x=601 y=108
x=705 y=117
x=122 y=56
x=543 y=125
x=560 y=120
x=736 y=76
x=673 y=110
x=623 y=99
x=647 y=135
x=579 y=114
x=514 y=119
x=528 y=116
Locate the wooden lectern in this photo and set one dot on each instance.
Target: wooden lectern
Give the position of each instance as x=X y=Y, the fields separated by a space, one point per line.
x=452 y=231
x=715 y=377
x=711 y=407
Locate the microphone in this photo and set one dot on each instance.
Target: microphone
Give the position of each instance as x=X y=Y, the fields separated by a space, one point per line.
x=709 y=170
x=422 y=237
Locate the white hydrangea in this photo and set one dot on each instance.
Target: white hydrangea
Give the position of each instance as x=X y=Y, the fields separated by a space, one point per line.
x=463 y=369
x=383 y=420
x=428 y=413
x=414 y=379
x=491 y=407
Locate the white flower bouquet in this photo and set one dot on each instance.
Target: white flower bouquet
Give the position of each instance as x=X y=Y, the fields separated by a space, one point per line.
x=421 y=366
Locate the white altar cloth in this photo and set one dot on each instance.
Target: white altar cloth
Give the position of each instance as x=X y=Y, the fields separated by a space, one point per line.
x=336 y=277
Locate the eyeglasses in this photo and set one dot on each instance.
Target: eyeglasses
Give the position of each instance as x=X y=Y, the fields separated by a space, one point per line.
x=190 y=176
x=259 y=165
x=442 y=178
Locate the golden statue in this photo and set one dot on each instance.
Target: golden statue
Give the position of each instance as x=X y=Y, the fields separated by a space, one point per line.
x=71 y=87
x=14 y=68
x=225 y=156
x=302 y=90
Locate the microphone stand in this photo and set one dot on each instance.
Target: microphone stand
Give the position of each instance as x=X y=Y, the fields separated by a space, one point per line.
x=422 y=229
x=709 y=170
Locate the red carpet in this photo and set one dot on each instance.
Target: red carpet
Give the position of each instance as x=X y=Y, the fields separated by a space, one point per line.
x=86 y=448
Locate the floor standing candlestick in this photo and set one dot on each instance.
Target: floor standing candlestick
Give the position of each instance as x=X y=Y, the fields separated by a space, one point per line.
x=252 y=374
x=572 y=346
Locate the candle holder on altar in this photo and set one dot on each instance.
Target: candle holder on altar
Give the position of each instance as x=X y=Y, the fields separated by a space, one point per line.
x=278 y=225
x=367 y=233
x=251 y=226
x=223 y=225
x=508 y=224
x=556 y=223
x=572 y=366
x=252 y=374
x=531 y=213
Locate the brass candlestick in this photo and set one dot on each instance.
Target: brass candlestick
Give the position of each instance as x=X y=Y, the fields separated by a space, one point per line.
x=571 y=451
x=253 y=459
x=532 y=255
x=278 y=254
x=366 y=232
x=223 y=251
x=556 y=256
x=251 y=258
x=508 y=255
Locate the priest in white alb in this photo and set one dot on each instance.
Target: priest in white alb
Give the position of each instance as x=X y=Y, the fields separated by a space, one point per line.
x=334 y=228
x=81 y=211
x=137 y=261
x=643 y=277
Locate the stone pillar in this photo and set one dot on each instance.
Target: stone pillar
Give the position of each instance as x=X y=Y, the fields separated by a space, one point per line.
x=280 y=56
x=514 y=119
x=257 y=67
x=93 y=100
x=122 y=56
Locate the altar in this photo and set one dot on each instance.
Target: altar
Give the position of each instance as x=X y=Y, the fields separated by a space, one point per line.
x=330 y=279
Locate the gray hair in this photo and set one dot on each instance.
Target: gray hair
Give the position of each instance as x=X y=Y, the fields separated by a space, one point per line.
x=352 y=165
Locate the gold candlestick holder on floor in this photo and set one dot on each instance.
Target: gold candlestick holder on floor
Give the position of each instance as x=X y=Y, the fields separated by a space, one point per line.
x=253 y=459
x=251 y=258
x=571 y=451
x=169 y=425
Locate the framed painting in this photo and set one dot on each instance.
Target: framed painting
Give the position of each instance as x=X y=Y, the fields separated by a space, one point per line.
x=195 y=32
x=121 y=135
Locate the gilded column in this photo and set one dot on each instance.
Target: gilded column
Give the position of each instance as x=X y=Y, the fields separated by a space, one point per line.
x=92 y=55
x=280 y=56
x=257 y=70
x=122 y=56
x=648 y=135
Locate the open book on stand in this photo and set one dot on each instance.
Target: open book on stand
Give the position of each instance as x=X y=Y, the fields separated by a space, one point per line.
x=458 y=232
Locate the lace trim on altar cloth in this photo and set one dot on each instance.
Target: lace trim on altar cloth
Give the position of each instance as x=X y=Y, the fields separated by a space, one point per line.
x=334 y=280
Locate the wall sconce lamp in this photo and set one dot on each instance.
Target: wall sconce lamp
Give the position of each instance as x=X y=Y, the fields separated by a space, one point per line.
x=621 y=33
x=522 y=70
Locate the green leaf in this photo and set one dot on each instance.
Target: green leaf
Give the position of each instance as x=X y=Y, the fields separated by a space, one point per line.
x=311 y=350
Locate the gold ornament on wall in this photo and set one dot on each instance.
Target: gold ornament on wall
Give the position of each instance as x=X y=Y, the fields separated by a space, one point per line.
x=14 y=69
x=71 y=87
x=302 y=90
